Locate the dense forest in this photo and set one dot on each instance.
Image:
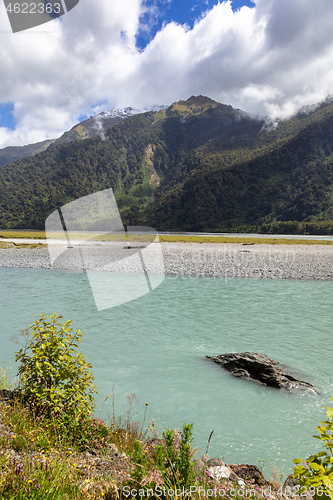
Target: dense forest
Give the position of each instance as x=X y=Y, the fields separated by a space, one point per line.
x=198 y=165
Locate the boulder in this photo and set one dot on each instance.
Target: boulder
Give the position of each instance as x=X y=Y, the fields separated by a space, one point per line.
x=290 y=482
x=220 y=472
x=215 y=462
x=200 y=465
x=250 y=473
x=262 y=369
x=293 y=489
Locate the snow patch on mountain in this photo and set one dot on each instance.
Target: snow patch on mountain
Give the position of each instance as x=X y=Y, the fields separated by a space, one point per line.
x=101 y=122
x=126 y=112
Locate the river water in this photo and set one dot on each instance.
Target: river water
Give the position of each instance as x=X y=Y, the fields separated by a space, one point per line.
x=155 y=347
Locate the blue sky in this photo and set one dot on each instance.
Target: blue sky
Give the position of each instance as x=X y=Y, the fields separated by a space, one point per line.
x=159 y=12
x=6 y=116
x=183 y=12
x=269 y=57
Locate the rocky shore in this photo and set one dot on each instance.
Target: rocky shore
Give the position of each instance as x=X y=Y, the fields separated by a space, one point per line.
x=305 y=262
x=314 y=262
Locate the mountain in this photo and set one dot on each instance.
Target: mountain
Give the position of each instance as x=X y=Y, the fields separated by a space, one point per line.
x=197 y=165
x=92 y=127
x=12 y=153
x=96 y=125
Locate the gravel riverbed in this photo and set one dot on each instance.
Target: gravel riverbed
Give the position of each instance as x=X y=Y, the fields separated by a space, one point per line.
x=306 y=262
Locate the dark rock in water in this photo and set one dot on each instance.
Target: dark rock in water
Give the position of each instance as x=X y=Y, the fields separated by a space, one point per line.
x=260 y=368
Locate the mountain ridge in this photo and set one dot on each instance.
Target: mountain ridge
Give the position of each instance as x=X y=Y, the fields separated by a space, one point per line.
x=196 y=165
x=90 y=127
x=12 y=153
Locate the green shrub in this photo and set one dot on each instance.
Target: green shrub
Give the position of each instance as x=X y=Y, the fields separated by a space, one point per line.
x=175 y=457
x=169 y=464
x=53 y=375
x=316 y=472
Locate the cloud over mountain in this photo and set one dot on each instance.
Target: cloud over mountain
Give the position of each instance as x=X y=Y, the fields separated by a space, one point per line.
x=269 y=59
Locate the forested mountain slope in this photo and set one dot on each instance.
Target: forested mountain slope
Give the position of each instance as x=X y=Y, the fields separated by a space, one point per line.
x=197 y=165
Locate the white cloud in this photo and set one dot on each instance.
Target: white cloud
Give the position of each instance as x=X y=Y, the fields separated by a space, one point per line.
x=271 y=59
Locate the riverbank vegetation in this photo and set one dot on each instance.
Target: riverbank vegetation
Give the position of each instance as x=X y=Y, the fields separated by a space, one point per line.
x=164 y=238
x=51 y=446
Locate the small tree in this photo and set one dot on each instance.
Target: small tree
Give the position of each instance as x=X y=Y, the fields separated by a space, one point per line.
x=53 y=375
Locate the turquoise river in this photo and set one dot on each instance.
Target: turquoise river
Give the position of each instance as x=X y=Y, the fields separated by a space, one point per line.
x=155 y=347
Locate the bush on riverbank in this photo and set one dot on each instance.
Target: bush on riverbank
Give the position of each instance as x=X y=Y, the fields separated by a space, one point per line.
x=53 y=376
x=40 y=460
x=316 y=472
